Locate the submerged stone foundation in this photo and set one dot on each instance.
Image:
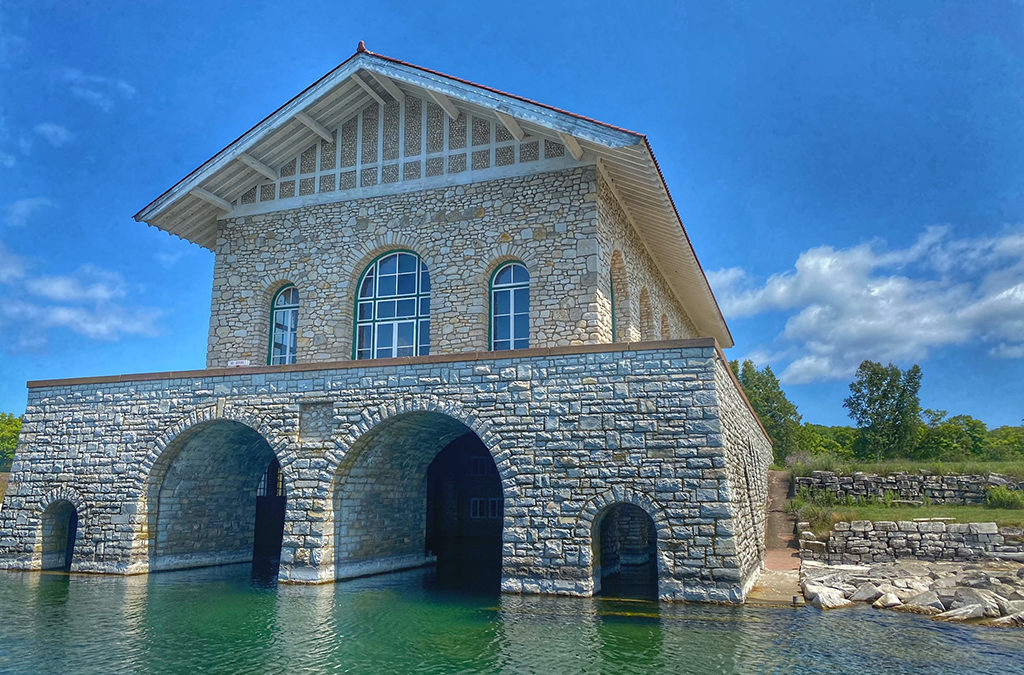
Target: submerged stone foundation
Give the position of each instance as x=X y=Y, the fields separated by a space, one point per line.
x=162 y=471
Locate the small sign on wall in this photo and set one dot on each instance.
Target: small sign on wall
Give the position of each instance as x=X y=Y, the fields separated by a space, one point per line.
x=235 y=363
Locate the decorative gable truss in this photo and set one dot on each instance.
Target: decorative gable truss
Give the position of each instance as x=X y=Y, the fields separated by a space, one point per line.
x=411 y=140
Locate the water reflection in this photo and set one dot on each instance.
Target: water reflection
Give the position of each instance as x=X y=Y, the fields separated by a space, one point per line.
x=230 y=620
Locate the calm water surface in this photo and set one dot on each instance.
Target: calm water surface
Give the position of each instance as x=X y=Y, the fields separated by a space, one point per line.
x=222 y=620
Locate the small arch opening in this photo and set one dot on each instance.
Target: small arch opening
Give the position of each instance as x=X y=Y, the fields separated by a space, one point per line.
x=60 y=529
x=625 y=543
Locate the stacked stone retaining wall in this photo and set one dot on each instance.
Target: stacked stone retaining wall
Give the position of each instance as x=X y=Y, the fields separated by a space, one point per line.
x=967 y=489
x=866 y=542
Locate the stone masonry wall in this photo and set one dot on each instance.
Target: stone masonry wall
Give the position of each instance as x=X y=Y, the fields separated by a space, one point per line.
x=910 y=486
x=644 y=320
x=866 y=542
x=572 y=431
x=748 y=456
x=462 y=233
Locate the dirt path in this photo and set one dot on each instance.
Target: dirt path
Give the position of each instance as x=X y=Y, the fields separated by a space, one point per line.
x=779 y=583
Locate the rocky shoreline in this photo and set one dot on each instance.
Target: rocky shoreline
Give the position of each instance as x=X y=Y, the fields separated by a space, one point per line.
x=989 y=592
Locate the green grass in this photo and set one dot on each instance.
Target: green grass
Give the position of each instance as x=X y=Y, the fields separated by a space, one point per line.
x=963 y=514
x=3 y=484
x=846 y=467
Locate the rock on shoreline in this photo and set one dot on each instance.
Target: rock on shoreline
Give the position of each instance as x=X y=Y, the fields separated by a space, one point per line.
x=990 y=592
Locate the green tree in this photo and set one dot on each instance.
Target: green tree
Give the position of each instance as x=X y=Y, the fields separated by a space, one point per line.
x=1006 y=443
x=10 y=427
x=884 y=403
x=960 y=437
x=817 y=439
x=777 y=413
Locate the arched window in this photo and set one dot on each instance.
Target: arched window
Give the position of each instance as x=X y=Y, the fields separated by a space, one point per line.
x=393 y=308
x=510 y=307
x=284 y=326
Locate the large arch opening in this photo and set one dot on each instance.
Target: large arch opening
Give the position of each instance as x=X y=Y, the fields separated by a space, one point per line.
x=60 y=529
x=625 y=542
x=216 y=497
x=420 y=488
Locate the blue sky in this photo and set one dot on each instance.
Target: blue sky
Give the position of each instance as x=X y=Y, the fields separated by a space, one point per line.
x=849 y=173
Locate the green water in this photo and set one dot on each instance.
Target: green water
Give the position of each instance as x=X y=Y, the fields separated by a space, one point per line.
x=221 y=620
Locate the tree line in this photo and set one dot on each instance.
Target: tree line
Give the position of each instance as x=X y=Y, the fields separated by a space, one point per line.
x=888 y=421
x=10 y=427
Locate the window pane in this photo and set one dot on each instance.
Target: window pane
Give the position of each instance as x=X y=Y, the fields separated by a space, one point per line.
x=365 y=338
x=522 y=299
x=522 y=325
x=406 y=263
x=522 y=344
x=501 y=344
x=405 y=333
x=424 y=279
x=406 y=308
x=389 y=265
x=504 y=275
x=425 y=337
x=406 y=284
x=366 y=290
x=425 y=307
x=386 y=309
x=365 y=311
x=386 y=286
x=501 y=302
x=520 y=275
x=385 y=335
x=502 y=325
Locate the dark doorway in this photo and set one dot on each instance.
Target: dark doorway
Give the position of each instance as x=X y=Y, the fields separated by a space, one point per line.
x=60 y=529
x=465 y=510
x=269 y=527
x=626 y=554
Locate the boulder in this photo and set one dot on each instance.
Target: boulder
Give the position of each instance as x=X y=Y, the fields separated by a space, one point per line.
x=825 y=597
x=886 y=601
x=964 y=613
x=966 y=597
x=1011 y=620
x=927 y=600
x=867 y=592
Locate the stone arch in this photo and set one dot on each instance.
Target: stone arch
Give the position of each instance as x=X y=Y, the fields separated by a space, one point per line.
x=372 y=416
x=383 y=469
x=646 y=318
x=620 y=299
x=169 y=446
x=64 y=493
x=359 y=257
x=665 y=334
x=589 y=531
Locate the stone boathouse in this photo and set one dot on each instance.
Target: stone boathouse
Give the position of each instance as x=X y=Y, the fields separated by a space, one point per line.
x=448 y=326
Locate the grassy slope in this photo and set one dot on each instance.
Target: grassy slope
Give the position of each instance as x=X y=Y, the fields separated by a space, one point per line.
x=830 y=463
x=963 y=514
x=3 y=484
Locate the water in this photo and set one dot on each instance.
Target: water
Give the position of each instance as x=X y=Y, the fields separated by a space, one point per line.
x=224 y=620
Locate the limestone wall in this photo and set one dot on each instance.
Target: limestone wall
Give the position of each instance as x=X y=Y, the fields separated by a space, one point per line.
x=462 y=233
x=866 y=542
x=637 y=317
x=966 y=489
x=745 y=461
x=571 y=431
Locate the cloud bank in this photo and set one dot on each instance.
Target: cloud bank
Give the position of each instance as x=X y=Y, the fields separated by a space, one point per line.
x=873 y=302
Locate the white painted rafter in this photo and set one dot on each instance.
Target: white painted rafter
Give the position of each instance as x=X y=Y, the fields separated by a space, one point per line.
x=257 y=166
x=511 y=125
x=367 y=88
x=211 y=198
x=569 y=141
x=389 y=85
x=317 y=128
x=445 y=103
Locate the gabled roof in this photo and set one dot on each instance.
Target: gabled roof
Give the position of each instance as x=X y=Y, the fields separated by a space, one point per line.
x=190 y=209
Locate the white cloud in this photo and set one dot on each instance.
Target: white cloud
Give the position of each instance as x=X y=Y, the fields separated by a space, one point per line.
x=872 y=302
x=55 y=134
x=91 y=302
x=18 y=213
x=97 y=90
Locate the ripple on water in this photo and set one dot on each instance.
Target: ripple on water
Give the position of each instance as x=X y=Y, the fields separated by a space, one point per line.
x=227 y=620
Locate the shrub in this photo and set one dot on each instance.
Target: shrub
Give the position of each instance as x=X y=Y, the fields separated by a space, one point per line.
x=1002 y=497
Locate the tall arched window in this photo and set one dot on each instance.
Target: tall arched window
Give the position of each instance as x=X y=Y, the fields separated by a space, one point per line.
x=393 y=308
x=284 y=326
x=510 y=307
